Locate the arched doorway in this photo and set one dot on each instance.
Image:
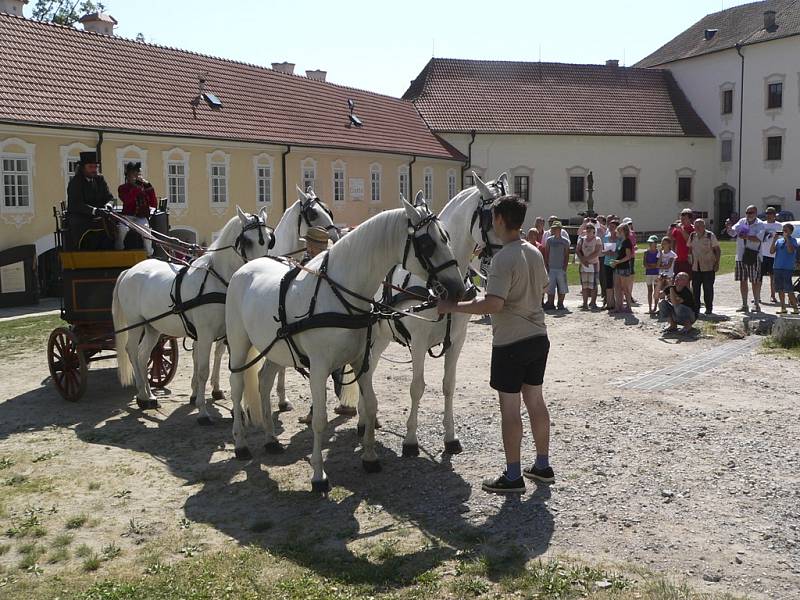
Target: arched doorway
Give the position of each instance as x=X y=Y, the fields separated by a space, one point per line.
x=724 y=206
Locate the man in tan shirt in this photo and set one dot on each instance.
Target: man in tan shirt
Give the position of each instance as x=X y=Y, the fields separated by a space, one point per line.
x=705 y=253
x=517 y=280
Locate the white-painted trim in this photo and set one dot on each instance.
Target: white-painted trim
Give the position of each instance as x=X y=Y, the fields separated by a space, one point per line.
x=308 y=163
x=575 y=171
x=774 y=78
x=68 y=153
x=264 y=160
x=629 y=171
x=452 y=183
x=218 y=158
x=403 y=190
x=684 y=172
x=187 y=228
x=141 y=155
x=772 y=200
x=522 y=172
x=168 y=158
x=728 y=86
x=427 y=175
x=725 y=136
x=339 y=166
x=18 y=215
x=376 y=168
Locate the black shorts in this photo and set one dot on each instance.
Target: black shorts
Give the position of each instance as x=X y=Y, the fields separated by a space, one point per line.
x=608 y=276
x=767 y=263
x=519 y=363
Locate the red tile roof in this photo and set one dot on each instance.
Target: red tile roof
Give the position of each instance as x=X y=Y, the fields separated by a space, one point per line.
x=741 y=24
x=60 y=76
x=551 y=98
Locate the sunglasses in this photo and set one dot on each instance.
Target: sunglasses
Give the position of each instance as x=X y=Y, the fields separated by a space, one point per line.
x=750 y=212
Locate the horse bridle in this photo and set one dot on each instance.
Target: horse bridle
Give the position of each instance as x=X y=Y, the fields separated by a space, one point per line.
x=309 y=214
x=484 y=216
x=424 y=246
x=254 y=222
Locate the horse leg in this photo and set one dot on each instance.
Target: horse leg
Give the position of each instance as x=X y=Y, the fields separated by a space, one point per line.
x=265 y=380
x=193 y=397
x=451 y=443
x=417 y=389
x=382 y=341
x=319 y=421
x=219 y=352
x=132 y=348
x=202 y=356
x=369 y=458
x=283 y=404
x=146 y=399
x=238 y=356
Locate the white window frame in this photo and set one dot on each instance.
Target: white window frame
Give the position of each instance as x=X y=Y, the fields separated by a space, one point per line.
x=375 y=182
x=339 y=167
x=310 y=165
x=403 y=180
x=18 y=215
x=71 y=154
x=774 y=78
x=521 y=171
x=726 y=136
x=576 y=171
x=773 y=200
x=768 y=133
x=452 y=184
x=629 y=171
x=262 y=161
x=168 y=159
x=684 y=172
x=427 y=184
x=123 y=158
x=728 y=86
x=214 y=160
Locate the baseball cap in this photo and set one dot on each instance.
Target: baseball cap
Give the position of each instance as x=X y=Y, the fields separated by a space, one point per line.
x=652 y=238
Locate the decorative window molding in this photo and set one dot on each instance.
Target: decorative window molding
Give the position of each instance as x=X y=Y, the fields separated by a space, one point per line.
x=218 y=169
x=70 y=155
x=629 y=183
x=773 y=163
x=17 y=170
x=176 y=180
x=181 y=232
x=263 y=172
x=684 y=184
x=130 y=153
x=727 y=100
x=452 y=183
x=774 y=92
x=339 y=180
x=308 y=174
x=402 y=181
x=779 y=202
x=427 y=183
x=576 y=183
x=375 y=172
x=726 y=148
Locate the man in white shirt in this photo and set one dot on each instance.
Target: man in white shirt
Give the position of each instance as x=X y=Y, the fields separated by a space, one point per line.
x=771 y=227
x=749 y=233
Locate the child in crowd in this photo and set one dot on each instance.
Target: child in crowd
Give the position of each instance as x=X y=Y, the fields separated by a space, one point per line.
x=666 y=264
x=784 y=247
x=651 y=273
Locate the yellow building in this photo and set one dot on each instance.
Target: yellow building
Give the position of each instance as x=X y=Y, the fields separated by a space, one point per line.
x=210 y=133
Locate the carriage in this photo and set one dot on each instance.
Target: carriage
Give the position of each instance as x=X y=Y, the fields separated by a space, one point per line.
x=87 y=284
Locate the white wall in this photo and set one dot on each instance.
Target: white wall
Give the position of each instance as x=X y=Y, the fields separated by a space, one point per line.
x=701 y=79
x=549 y=158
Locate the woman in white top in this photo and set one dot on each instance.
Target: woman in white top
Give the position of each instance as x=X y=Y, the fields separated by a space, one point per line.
x=588 y=251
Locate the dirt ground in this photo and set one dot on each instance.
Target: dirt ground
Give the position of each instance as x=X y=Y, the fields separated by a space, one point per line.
x=698 y=483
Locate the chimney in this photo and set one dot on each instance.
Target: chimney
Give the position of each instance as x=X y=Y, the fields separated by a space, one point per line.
x=316 y=74
x=98 y=22
x=12 y=7
x=769 y=20
x=283 y=67
x=709 y=34
x=613 y=62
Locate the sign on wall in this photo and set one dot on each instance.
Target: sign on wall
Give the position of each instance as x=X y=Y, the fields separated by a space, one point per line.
x=12 y=278
x=356 y=188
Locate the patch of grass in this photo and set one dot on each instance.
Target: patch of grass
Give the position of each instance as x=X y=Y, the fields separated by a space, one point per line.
x=6 y=462
x=22 y=336
x=19 y=483
x=76 y=522
x=385 y=550
x=46 y=456
x=31 y=552
x=469 y=586
x=110 y=552
x=83 y=551
x=4 y=548
x=91 y=563
x=30 y=526
x=122 y=494
x=57 y=556
x=62 y=540
x=790 y=347
x=559 y=580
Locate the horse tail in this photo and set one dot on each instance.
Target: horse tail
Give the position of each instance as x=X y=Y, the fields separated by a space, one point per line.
x=350 y=391
x=124 y=366
x=251 y=399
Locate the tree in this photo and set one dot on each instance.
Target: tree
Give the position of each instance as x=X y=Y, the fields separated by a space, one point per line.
x=64 y=12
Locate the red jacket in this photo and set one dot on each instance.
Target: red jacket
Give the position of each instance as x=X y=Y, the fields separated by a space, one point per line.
x=131 y=193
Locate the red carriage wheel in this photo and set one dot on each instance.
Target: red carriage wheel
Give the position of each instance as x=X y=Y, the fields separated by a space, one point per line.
x=163 y=362
x=67 y=364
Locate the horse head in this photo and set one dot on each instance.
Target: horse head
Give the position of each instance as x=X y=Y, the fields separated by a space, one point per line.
x=255 y=237
x=482 y=228
x=315 y=213
x=428 y=253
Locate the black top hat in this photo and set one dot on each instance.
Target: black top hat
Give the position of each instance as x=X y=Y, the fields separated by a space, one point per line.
x=132 y=166
x=88 y=158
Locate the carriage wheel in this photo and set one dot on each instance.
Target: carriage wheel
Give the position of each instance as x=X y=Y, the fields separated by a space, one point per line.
x=163 y=362
x=67 y=364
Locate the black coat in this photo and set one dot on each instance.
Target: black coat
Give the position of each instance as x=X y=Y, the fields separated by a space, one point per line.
x=85 y=194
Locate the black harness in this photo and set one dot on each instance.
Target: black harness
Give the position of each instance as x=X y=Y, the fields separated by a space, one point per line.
x=484 y=217
x=309 y=214
x=424 y=247
x=180 y=308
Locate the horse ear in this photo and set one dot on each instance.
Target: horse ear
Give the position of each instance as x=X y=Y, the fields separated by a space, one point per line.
x=301 y=193
x=486 y=193
x=420 y=201
x=503 y=180
x=242 y=215
x=263 y=214
x=411 y=212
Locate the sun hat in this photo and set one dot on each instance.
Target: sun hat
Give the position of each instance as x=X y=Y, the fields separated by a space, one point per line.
x=556 y=224
x=652 y=239
x=771 y=209
x=316 y=234
x=627 y=221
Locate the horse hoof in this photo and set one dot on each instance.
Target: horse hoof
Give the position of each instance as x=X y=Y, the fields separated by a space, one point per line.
x=345 y=411
x=321 y=487
x=371 y=466
x=218 y=395
x=361 y=430
x=192 y=400
x=410 y=450
x=285 y=407
x=242 y=453
x=204 y=421
x=453 y=447
x=273 y=448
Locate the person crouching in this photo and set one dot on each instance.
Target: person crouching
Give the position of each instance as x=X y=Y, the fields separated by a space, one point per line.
x=138 y=197
x=678 y=305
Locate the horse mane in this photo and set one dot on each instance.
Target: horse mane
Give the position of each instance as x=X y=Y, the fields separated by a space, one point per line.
x=363 y=239
x=457 y=201
x=228 y=234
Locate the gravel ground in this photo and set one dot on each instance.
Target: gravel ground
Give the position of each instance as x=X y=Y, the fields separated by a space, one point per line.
x=699 y=482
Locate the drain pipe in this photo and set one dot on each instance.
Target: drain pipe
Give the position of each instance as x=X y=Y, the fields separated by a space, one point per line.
x=468 y=164
x=411 y=178
x=99 y=147
x=283 y=173
x=741 y=122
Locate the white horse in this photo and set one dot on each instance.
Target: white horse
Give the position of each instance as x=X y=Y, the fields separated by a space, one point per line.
x=467 y=218
x=357 y=263
x=148 y=290
x=308 y=211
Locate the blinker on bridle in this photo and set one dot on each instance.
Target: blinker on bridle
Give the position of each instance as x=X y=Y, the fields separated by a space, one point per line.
x=254 y=222
x=309 y=214
x=483 y=215
x=424 y=246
